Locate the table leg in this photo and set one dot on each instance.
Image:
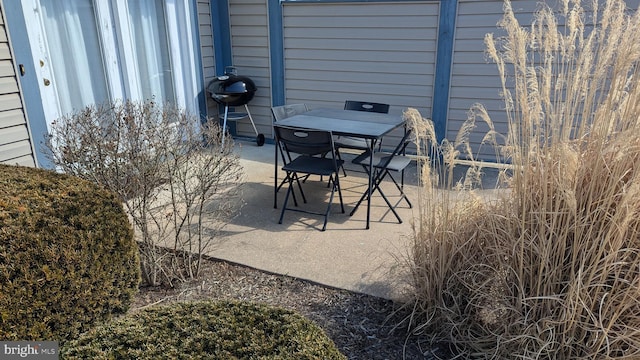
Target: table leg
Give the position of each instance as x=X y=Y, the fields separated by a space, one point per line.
x=275 y=177
x=369 y=190
x=224 y=123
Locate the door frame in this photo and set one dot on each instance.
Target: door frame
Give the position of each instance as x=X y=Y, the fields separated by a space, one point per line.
x=32 y=100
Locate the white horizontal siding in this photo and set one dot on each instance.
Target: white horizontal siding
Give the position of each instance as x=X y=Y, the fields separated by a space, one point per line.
x=9 y=118
x=10 y=101
x=5 y=54
x=14 y=134
x=8 y=85
x=380 y=52
x=15 y=139
x=13 y=153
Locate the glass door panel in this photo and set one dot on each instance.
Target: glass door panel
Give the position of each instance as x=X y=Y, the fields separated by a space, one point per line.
x=151 y=57
x=92 y=51
x=75 y=54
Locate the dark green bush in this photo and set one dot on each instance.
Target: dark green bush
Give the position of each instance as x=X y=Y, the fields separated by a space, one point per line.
x=68 y=258
x=206 y=330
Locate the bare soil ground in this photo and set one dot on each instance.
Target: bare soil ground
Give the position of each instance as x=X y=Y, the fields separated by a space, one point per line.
x=362 y=326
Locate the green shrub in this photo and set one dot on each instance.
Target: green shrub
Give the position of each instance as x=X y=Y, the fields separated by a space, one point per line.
x=67 y=255
x=211 y=330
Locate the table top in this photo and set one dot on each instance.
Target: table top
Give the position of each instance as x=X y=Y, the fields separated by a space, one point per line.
x=360 y=124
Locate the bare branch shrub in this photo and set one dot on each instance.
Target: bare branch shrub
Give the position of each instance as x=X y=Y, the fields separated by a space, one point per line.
x=177 y=183
x=551 y=269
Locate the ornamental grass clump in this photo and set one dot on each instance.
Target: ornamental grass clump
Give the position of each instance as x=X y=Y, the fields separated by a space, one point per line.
x=551 y=267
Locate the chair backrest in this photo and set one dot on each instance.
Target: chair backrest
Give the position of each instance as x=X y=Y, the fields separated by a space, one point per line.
x=303 y=141
x=284 y=111
x=366 y=106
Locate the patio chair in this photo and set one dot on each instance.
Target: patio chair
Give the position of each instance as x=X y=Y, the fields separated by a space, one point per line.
x=302 y=147
x=284 y=111
x=280 y=113
x=347 y=142
x=383 y=165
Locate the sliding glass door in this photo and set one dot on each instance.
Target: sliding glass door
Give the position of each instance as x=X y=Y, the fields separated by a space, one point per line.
x=92 y=51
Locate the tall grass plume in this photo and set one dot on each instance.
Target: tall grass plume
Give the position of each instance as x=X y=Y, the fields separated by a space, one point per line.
x=551 y=267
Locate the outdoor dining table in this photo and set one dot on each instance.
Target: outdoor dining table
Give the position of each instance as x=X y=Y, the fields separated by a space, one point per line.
x=359 y=124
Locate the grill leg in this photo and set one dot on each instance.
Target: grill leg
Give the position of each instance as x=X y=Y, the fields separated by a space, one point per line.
x=246 y=107
x=224 y=123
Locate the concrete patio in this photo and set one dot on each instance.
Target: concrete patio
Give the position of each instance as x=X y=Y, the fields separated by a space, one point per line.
x=345 y=256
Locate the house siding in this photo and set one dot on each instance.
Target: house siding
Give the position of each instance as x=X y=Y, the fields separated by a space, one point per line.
x=250 y=56
x=381 y=52
x=207 y=52
x=474 y=77
x=15 y=139
x=326 y=52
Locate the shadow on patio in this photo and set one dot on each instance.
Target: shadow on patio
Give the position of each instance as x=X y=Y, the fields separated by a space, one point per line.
x=344 y=256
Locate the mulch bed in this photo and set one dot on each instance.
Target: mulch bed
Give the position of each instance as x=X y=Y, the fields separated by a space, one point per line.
x=362 y=326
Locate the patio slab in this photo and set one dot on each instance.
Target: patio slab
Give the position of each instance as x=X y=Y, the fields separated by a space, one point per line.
x=345 y=256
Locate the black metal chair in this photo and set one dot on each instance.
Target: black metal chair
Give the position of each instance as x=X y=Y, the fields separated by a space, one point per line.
x=366 y=106
x=284 y=111
x=347 y=142
x=302 y=147
x=280 y=113
x=383 y=165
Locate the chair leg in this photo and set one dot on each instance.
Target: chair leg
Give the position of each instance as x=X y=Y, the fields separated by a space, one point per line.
x=344 y=172
x=337 y=185
x=400 y=188
x=391 y=207
x=376 y=187
x=326 y=213
x=333 y=179
x=366 y=193
x=304 y=199
x=286 y=200
x=285 y=181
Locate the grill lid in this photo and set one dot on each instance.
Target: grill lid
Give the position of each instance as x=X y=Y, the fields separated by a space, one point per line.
x=232 y=89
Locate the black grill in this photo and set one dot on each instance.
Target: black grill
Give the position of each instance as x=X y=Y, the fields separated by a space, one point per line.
x=231 y=90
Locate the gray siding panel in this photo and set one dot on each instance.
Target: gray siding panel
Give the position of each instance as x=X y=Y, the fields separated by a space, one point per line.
x=206 y=48
x=382 y=52
x=250 y=43
x=15 y=139
x=474 y=77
